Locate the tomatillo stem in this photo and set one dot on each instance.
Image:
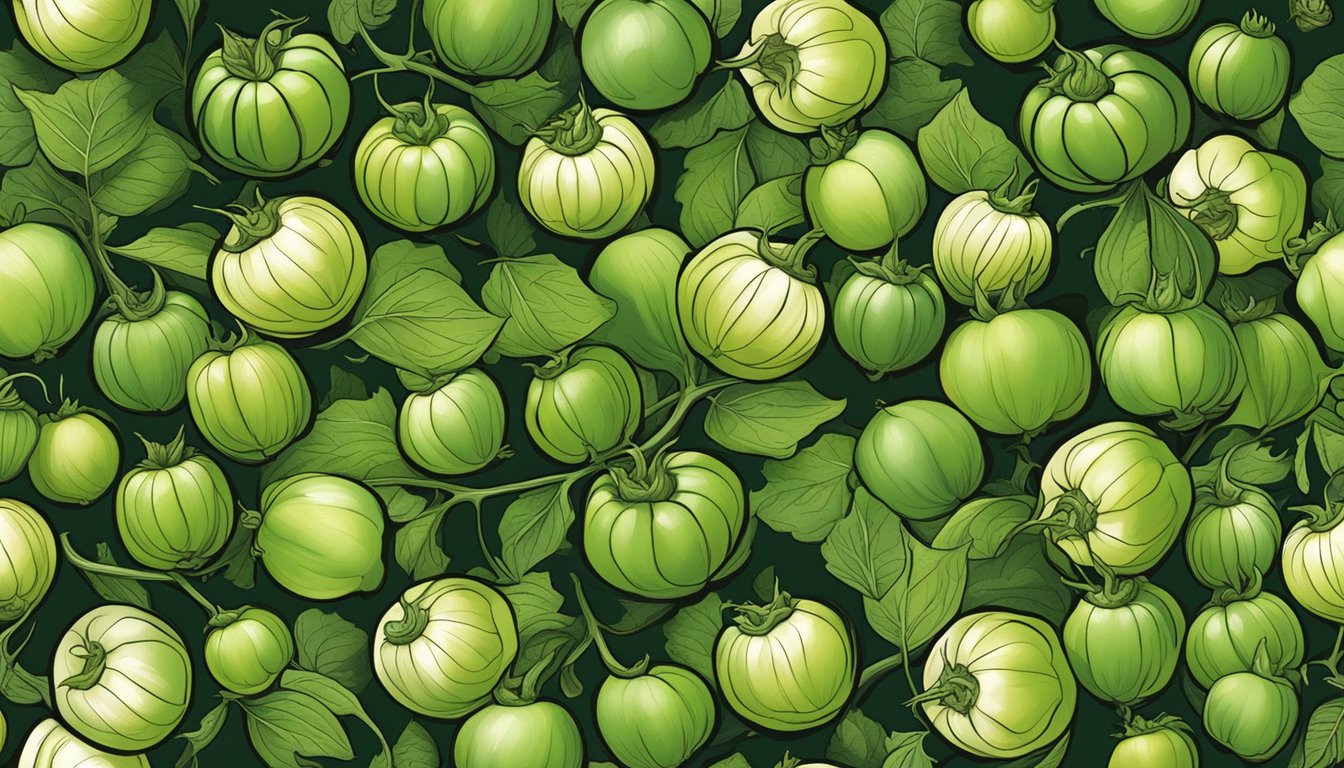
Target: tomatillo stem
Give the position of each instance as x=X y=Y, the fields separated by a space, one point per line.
x=89 y=566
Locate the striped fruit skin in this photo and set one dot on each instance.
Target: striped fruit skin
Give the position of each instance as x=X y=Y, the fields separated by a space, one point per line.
x=657 y=719
x=668 y=547
x=594 y=194
x=977 y=245
x=302 y=278
x=887 y=326
x=1226 y=636
x=455 y=429
x=46 y=290
x=249 y=402
x=279 y=125
x=586 y=406
x=141 y=365
x=1313 y=556
x=422 y=185
x=321 y=536
x=1241 y=71
x=27 y=558
x=1125 y=650
x=175 y=517
x=1090 y=146
x=1149 y=19
x=489 y=38
x=81 y=35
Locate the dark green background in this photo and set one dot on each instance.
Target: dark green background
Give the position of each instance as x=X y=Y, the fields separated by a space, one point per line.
x=996 y=91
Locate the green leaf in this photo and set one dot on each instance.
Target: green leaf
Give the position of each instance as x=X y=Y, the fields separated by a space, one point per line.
x=534 y=527
x=866 y=550
x=211 y=724
x=416 y=748
x=1327 y=192
x=571 y=11
x=923 y=600
x=1151 y=250
x=735 y=760
x=775 y=154
x=508 y=227
x=914 y=94
x=696 y=121
x=343 y=18
x=985 y=524
x=768 y=419
x=156 y=70
x=1270 y=130
x=1021 y=578
x=344 y=386
x=1318 y=107
x=536 y=605
x=19 y=68
x=417 y=549
x=331 y=646
x=808 y=494
x=691 y=633
x=18 y=685
x=1257 y=465
x=962 y=151
x=722 y=14
x=153 y=175
x=640 y=276
x=772 y=206
x=184 y=249
x=38 y=187
x=925 y=29
x=416 y=315
x=513 y=108
x=116 y=589
x=237 y=563
x=286 y=726
x=546 y=306
x=374 y=14
x=717 y=176
x=88 y=125
x=858 y=741
x=1322 y=744
x=906 y=750
x=188 y=9
x=335 y=697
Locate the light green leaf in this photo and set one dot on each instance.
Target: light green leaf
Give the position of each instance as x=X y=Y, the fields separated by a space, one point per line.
x=696 y=121
x=39 y=188
x=1050 y=758
x=88 y=125
x=962 y=151
x=717 y=176
x=152 y=176
x=639 y=275
x=808 y=494
x=775 y=154
x=534 y=527
x=768 y=419
x=866 y=550
x=1020 y=578
x=1327 y=192
x=571 y=11
x=925 y=29
x=184 y=249
x=691 y=633
x=1318 y=107
x=330 y=645
x=513 y=108
x=1270 y=130
x=19 y=68
x=722 y=14
x=858 y=741
x=1322 y=744
x=906 y=750
x=115 y=589
x=335 y=697
x=286 y=726
x=772 y=206
x=546 y=306
x=536 y=605
x=21 y=687
x=344 y=386
x=1253 y=465
x=416 y=315
x=735 y=760
x=188 y=9
x=156 y=70
x=914 y=94
x=343 y=19
x=415 y=749
x=923 y=600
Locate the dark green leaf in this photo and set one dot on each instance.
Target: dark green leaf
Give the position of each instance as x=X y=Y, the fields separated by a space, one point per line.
x=156 y=70
x=1269 y=130
x=717 y=176
x=38 y=187
x=509 y=227
x=88 y=125
x=808 y=494
x=330 y=645
x=534 y=527
x=1020 y=579
x=375 y=13
x=571 y=11
x=962 y=151
x=775 y=154
x=709 y=112
x=199 y=739
x=772 y=206
x=344 y=386
x=536 y=605
x=1050 y=758
x=925 y=29
x=722 y=14
x=335 y=697
x=417 y=548
x=514 y=108
x=1319 y=107
x=116 y=589
x=923 y=600
x=153 y=175
x=735 y=760
x=18 y=685
x=416 y=315
x=768 y=419
x=1327 y=192
x=546 y=306
x=858 y=741
x=184 y=249
x=915 y=92
x=691 y=634
x=1257 y=465
x=866 y=550
x=286 y=726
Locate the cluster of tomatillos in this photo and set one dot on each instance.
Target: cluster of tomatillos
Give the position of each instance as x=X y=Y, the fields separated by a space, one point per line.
x=664 y=525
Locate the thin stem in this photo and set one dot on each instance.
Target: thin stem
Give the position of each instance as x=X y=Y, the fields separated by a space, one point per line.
x=89 y=566
x=613 y=666
x=1202 y=436
x=406 y=63
x=873 y=673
